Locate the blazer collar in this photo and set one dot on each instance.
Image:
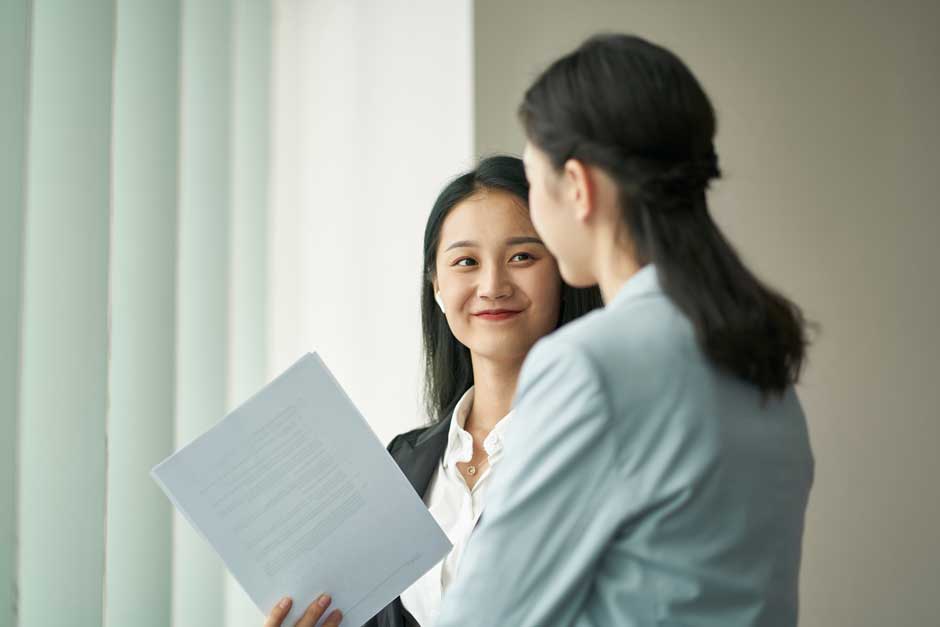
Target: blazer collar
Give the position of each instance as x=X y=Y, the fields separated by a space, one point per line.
x=432 y=432
x=418 y=461
x=645 y=281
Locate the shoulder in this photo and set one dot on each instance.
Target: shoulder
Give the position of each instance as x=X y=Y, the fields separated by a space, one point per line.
x=641 y=332
x=629 y=352
x=559 y=372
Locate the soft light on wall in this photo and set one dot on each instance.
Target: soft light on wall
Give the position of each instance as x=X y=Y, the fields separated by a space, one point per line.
x=373 y=115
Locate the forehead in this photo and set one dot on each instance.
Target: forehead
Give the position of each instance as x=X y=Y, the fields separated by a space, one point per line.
x=487 y=216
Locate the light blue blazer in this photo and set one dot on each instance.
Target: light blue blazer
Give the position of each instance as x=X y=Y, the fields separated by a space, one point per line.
x=639 y=486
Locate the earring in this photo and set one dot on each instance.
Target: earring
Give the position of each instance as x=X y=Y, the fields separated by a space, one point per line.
x=439 y=301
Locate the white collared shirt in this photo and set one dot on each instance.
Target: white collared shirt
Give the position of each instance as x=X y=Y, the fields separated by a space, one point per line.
x=455 y=507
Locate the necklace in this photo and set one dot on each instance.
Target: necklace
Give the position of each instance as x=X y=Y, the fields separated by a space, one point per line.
x=473 y=468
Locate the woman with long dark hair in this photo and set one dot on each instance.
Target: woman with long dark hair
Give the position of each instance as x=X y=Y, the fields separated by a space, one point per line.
x=658 y=468
x=490 y=290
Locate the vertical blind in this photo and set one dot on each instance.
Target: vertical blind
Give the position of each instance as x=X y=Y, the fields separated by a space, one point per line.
x=193 y=194
x=134 y=234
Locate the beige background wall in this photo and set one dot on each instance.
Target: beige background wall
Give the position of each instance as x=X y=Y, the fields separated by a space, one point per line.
x=830 y=144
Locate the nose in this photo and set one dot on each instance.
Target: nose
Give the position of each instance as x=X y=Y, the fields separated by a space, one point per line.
x=495 y=283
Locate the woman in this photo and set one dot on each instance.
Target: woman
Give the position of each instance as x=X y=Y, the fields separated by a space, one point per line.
x=658 y=468
x=490 y=290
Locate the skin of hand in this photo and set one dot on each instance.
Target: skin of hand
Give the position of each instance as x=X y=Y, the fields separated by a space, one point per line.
x=310 y=618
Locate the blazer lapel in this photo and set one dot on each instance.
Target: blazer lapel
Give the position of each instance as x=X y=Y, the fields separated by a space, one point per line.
x=419 y=460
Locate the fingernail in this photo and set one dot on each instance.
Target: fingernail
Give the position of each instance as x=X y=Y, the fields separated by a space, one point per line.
x=324 y=601
x=284 y=602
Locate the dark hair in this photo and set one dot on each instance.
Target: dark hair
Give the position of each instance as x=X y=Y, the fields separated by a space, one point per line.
x=634 y=109
x=447 y=366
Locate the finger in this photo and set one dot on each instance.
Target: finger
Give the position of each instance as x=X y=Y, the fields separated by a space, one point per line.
x=278 y=612
x=314 y=611
x=333 y=619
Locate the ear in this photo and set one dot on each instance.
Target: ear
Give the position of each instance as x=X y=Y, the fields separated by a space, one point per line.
x=582 y=192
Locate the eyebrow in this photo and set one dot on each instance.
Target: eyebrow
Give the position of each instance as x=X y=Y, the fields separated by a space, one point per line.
x=512 y=241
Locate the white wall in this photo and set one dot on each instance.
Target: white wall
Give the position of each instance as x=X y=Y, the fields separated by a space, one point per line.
x=373 y=115
x=829 y=138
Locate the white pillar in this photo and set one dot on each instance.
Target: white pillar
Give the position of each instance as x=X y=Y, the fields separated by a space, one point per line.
x=14 y=67
x=143 y=309
x=203 y=280
x=374 y=114
x=64 y=376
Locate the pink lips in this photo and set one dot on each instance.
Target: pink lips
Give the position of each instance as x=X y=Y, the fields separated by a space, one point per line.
x=497 y=314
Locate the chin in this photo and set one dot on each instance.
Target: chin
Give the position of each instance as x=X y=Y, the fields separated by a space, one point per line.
x=503 y=350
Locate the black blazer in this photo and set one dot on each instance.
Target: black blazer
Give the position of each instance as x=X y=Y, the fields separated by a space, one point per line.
x=418 y=454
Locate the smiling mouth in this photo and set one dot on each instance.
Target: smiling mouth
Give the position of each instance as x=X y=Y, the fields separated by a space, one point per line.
x=497 y=314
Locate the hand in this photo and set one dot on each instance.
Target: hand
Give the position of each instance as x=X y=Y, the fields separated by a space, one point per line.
x=314 y=612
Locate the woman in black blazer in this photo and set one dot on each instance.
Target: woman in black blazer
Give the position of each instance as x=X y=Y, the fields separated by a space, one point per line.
x=449 y=363
x=490 y=290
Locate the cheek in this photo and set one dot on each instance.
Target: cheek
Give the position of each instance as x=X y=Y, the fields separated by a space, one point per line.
x=458 y=327
x=454 y=293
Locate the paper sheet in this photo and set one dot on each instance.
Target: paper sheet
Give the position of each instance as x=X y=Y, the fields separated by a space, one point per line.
x=299 y=497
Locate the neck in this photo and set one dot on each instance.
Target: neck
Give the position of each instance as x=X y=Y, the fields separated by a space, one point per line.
x=614 y=264
x=494 y=385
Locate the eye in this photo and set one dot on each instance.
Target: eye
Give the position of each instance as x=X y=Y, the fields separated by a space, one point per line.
x=522 y=257
x=465 y=262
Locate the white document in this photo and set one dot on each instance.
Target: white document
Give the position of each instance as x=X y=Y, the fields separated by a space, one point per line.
x=298 y=496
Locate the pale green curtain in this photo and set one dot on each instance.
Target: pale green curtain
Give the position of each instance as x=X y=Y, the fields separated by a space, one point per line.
x=14 y=26
x=133 y=279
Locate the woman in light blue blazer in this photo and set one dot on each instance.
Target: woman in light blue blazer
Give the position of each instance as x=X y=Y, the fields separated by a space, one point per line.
x=658 y=468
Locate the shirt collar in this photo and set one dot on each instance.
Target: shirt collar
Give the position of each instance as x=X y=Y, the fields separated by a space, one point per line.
x=460 y=442
x=644 y=281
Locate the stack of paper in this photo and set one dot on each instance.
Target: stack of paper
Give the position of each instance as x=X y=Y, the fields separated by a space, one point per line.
x=299 y=497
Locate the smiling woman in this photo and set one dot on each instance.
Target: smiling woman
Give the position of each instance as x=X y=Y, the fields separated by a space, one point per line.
x=479 y=214
x=501 y=287
x=490 y=291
